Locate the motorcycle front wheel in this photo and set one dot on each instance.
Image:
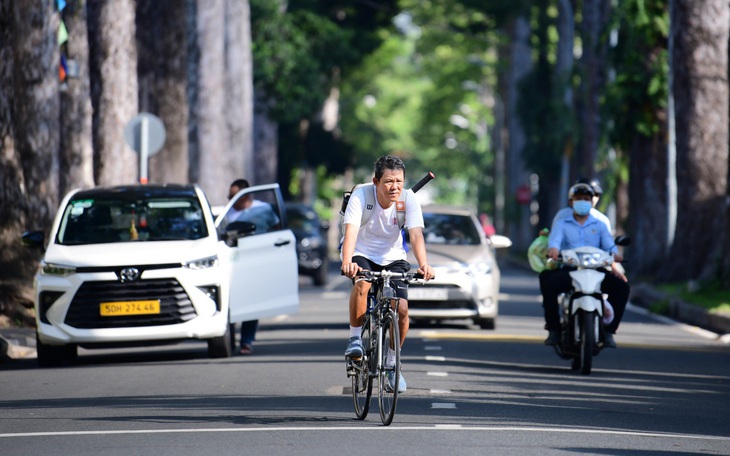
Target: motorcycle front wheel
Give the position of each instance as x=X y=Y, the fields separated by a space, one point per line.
x=587 y=341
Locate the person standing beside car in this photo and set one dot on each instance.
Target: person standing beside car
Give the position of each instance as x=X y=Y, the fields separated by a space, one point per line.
x=378 y=245
x=262 y=215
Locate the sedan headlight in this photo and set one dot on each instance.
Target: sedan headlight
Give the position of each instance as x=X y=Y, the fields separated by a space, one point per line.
x=481 y=268
x=56 y=269
x=203 y=263
x=311 y=243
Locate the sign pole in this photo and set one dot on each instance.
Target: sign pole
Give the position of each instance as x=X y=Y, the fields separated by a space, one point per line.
x=143 y=150
x=145 y=134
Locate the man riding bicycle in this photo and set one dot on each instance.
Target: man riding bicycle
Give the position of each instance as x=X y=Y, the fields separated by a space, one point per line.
x=378 y=245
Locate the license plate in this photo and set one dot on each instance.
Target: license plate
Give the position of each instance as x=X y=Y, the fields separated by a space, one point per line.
x=113 y=309
x=428 y=294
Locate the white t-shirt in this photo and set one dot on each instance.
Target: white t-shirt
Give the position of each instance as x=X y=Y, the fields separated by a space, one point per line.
x=379 y=240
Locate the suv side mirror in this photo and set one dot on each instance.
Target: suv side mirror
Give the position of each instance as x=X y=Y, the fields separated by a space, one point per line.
x=237 y=230
x=33 y=239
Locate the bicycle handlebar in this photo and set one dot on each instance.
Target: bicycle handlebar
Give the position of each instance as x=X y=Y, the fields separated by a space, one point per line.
x=370 y=275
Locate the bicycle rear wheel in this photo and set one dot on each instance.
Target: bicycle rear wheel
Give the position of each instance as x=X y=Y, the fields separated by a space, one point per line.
x=362 y=382
x=387 y=393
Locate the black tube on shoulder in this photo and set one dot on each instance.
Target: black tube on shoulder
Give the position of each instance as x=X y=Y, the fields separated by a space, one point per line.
x=424 y=180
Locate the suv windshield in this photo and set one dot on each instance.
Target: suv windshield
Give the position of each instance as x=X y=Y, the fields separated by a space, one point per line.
x=109 y=218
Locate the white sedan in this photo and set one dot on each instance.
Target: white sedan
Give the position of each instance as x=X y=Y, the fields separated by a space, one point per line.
x=148 y=264
x=467 y=274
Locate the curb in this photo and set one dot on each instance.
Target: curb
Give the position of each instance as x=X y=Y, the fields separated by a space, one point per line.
x=17 y=343
x=645 y=296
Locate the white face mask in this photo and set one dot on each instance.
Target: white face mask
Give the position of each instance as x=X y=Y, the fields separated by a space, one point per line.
x=582 y=207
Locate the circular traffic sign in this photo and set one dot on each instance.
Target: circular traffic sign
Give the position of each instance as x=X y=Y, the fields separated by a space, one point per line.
x=145 y=129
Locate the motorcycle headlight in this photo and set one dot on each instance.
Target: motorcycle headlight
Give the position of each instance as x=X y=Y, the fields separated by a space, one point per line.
x=590 y=260
x=203 y=263
x=56 y=269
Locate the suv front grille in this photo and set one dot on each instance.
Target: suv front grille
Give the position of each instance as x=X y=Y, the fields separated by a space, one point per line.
x=175 y=304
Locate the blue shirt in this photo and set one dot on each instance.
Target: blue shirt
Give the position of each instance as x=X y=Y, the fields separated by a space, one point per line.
x=567 y=233
x=568 y=212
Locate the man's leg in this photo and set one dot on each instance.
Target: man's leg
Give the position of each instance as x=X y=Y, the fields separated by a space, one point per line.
x=618 y=295
x=358 y=302
x=553 y=283
x=248 y=335
x=404 y=322
x=358 y=306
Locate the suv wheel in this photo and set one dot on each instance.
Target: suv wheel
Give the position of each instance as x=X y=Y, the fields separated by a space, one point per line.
x=485 y=323
x=222 y=347
x=54 y=355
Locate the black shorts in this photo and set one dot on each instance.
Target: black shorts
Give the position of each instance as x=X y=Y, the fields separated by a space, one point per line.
x=401 y=288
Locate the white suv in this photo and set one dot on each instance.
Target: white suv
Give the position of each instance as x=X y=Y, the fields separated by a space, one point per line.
x=148 y=264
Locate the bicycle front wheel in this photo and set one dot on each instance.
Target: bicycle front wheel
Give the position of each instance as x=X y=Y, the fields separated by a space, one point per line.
x=362 y=382
x=389 y=374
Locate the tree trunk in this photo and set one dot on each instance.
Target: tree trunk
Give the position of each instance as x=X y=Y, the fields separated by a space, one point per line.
x=163 y=33
x=266 y=144
x=77 y=156
x=648 y=190
x=518 y=228
x=699 y=31
x=593 y=65
x=239 y=88
x=114 y=90
x=212 y=158
x=29 y=142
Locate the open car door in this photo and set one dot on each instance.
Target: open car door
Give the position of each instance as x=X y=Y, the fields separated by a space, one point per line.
x=260 y=252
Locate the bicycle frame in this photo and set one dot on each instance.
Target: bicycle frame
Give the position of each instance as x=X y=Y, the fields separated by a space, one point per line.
x=381 y=321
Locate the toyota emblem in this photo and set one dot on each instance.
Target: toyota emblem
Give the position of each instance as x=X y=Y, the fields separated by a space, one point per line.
x=128 y=275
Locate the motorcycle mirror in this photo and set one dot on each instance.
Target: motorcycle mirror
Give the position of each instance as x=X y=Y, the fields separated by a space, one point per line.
x=623 y=240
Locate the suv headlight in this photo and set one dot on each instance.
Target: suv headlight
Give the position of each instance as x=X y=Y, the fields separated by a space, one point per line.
x=203 y=263
x=56 y=269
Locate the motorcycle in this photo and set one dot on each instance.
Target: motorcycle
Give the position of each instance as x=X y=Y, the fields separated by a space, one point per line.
x=584 y=306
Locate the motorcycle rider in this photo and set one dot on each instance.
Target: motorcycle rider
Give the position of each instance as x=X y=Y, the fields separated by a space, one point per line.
x=580 y=228
x=598 y=191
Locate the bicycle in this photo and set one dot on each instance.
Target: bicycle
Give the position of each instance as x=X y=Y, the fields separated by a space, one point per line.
x=379 y=332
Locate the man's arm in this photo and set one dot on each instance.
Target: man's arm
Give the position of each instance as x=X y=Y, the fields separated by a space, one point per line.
x=555 y=238
x=419 y=250
x=349 y=268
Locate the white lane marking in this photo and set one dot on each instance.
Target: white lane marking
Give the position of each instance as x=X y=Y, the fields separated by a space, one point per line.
x=440 y=391
x=432 y=348
x=527 y=429
x=436 y=358
x=438 y=374
x=335 y=295
x=443 y=405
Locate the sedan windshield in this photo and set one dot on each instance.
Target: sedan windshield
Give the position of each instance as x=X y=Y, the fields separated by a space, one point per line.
x=450 y=229
x=111 y=219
